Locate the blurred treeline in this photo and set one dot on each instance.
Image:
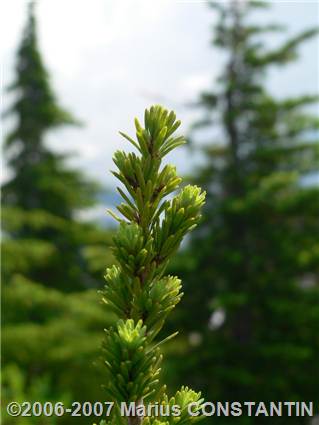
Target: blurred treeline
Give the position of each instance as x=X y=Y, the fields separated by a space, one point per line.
x=53 y=263
x=249 y=320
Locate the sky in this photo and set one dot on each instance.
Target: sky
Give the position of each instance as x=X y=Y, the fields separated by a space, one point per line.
x=109 y=59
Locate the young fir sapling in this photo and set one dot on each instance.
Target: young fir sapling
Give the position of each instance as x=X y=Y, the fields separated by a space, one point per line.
x=136 y=289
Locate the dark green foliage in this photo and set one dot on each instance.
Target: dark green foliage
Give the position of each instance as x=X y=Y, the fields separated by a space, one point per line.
x=71 y=255
x=43 y=196
x=255 y=258
x=50 y=346
x=41 y=180
x=137 y=290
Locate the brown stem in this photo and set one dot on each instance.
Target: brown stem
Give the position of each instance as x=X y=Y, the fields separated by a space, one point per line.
x=135 y=420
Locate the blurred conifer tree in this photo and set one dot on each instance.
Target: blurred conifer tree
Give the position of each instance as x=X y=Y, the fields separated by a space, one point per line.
x=251 y=303
x=50 y=338
x=44 y=195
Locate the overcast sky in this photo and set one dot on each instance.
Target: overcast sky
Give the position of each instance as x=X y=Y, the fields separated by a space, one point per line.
x=109 y=59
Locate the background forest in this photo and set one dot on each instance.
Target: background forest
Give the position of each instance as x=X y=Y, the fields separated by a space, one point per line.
x=249 y=318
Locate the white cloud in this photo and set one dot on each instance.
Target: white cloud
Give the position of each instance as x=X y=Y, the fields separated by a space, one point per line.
x=109 y=59
x=191 y=85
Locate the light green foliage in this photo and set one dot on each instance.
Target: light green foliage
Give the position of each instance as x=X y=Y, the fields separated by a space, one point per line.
x=183 y=398
x=132 y=367
x=137 y=290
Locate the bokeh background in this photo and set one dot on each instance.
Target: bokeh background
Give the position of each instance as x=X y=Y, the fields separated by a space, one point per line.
x=244 y=79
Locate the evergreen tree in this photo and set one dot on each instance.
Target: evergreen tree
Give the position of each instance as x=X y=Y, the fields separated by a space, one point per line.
x=254 y=272
x=49 y=338
x=40 y=180
x=137 y=290
x=43 y=196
